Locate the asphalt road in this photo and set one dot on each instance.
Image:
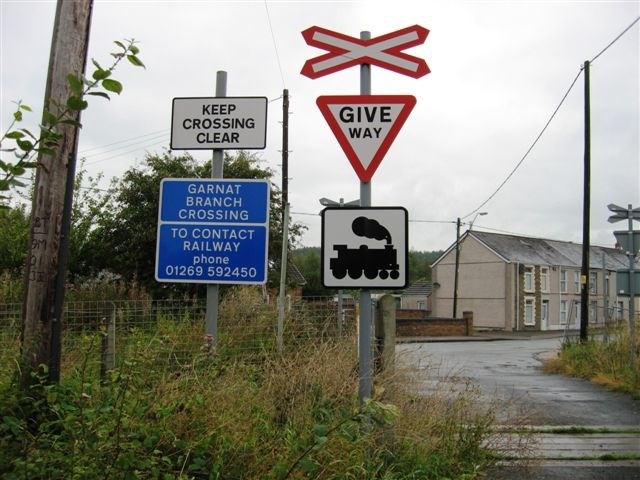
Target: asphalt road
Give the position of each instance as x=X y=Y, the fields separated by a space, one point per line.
x=509 y=371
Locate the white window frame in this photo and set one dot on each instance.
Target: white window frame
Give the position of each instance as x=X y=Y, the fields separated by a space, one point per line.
x=593 y=311
x=576 y=281
x=544 y=279
x=529 y=279
x=563 y=281
x=593 y=283
x=421 y=305
x=564 y=311
x=544 y=314
x=530 y=305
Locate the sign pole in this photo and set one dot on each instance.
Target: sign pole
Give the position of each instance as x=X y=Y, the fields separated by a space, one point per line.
x=365 y=385
x=217 y=171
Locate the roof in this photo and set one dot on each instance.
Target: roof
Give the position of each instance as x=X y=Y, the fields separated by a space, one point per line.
x=295 y=274
x=539 y=251
x=421 y=287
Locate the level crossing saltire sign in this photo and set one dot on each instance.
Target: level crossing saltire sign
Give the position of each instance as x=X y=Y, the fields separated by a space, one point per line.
x=384 y=51
x=213 y=231
x=208 y=123
x=366 y=126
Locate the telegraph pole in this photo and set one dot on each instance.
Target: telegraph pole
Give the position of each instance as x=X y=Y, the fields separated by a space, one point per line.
x=285 y=220
x=44 y=272
x=455 y=273
x=586 y=243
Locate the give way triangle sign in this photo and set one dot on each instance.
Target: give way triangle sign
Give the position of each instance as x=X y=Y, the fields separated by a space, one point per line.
x=366 y=126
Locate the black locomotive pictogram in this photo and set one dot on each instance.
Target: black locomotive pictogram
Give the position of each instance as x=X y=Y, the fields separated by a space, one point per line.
x=373 y=262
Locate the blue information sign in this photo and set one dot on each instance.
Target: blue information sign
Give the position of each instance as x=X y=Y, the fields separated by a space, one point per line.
x=213 y=231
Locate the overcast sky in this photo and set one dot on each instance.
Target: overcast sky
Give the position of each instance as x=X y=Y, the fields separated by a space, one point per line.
x=498 y=71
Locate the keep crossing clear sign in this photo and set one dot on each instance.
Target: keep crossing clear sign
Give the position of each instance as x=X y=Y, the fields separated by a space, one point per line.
x=213 y=231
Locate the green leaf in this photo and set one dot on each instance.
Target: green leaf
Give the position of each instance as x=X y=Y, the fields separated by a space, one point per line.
x=100 y=94
x=112 y=85
x=135 y=61
x=120 y=44
x=25 y=145
x=308 y=466
x=133 y=49
x=49 y=118
x=14 y=135
x=17 y=116
x=101 y=74
x=26 y=108
x=28 y=133
x=16 y=183
x=76 y=103
x=46 y=151
x=75 y=123
x=75 y=84
x=96 y=64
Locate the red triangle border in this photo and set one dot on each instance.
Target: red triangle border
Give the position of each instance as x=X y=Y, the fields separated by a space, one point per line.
x=365 y=174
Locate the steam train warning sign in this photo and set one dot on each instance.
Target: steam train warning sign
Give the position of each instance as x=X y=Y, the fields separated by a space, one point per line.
x=365 y=247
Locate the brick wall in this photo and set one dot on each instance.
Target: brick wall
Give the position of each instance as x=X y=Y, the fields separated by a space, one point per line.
x=415 y=323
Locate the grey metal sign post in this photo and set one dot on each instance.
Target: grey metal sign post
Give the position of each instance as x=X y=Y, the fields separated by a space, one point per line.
x=386 y=52
x=628 y=241
x=215 y=124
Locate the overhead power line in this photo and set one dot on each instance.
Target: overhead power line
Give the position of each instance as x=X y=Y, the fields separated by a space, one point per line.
x=548 y=122
x=524 y=157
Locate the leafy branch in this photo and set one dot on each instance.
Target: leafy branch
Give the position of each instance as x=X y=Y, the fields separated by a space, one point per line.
x=27 y=145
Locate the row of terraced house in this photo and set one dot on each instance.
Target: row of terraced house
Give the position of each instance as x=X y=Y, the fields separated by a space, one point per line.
x=516 y=283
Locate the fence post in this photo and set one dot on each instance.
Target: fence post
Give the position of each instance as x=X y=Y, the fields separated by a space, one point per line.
x=108 y=351
x=468 y=318
x=385 y=334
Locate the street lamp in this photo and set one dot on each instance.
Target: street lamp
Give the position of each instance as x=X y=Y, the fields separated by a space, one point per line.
x=474 y=218
x=455 y=273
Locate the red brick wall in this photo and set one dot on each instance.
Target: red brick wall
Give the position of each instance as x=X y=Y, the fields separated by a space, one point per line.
x=415 y=323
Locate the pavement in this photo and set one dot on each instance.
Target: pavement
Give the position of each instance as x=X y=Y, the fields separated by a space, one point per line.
x=586 y=433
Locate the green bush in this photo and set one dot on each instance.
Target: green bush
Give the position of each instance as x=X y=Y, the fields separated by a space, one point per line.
x=606 y=361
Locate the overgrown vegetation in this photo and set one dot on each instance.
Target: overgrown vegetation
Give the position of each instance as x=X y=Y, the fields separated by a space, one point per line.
x=228 y=415
x=605 y=361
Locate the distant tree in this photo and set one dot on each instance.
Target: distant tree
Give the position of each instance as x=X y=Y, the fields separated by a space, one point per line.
x=307 y=259
x=14 y=235
x=420 y=265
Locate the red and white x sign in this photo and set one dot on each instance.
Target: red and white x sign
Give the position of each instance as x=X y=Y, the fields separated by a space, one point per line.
x=384 y=51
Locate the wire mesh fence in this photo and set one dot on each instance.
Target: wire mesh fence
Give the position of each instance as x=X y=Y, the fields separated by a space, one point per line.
x=100 y=335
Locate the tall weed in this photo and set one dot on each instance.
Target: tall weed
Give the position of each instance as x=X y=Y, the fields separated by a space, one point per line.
x=215 y=415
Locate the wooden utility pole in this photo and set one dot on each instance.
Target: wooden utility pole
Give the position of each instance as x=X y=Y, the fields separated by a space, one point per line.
x=68 y=56
x=586 y=209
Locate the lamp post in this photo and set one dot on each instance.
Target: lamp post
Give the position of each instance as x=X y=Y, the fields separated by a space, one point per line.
x=325 y=202
x=455 y=273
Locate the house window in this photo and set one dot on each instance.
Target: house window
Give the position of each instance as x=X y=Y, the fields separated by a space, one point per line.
x=593 y=283
x=528 y=279
x=421 y=305
x=563 y=281
x=544 y=279
x=529 y=311
x=620 y=310
x=563 y=311
x=576 y=282
x=593 y=311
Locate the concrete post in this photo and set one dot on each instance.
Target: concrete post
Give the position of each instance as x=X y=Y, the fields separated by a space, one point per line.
x=468 y=318
x=385 y=333
x=108 y=353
